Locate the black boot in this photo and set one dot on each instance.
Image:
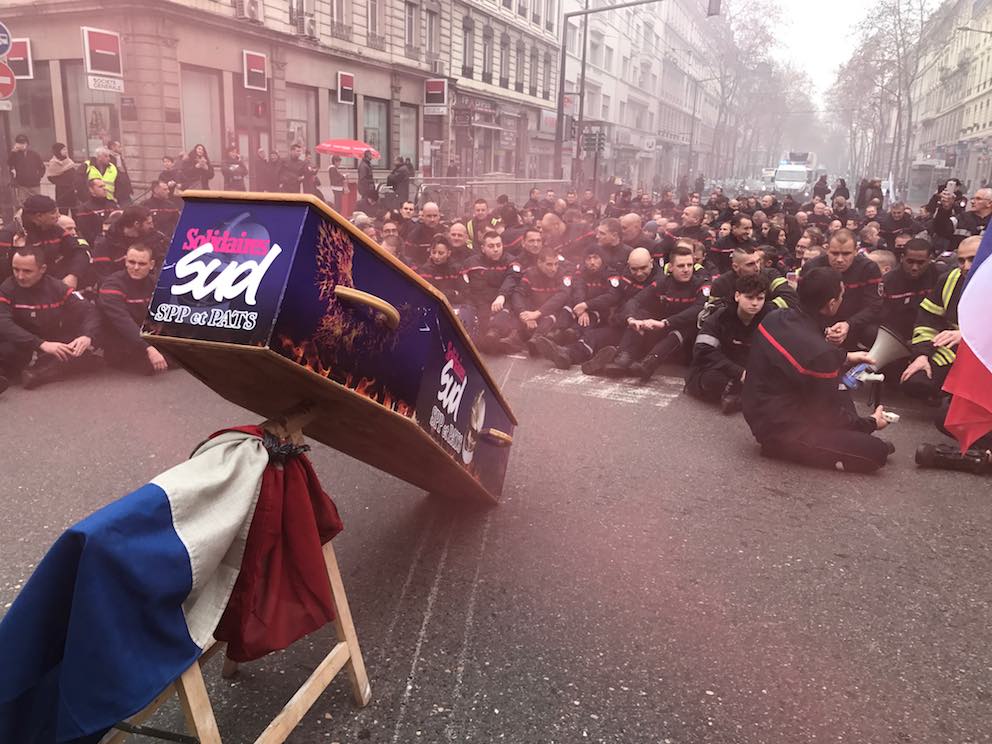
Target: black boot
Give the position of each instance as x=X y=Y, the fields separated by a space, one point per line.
x=42 y=374
x=730 y=399
x=553 y=352
x=599 y=361
x=949 y=457
x=620 y=366
x=645 y=368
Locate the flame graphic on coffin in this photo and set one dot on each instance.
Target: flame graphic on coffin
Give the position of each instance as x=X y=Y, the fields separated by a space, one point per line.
x=345 y=333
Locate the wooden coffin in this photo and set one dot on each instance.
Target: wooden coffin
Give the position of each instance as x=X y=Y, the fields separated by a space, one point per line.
x=275 y=300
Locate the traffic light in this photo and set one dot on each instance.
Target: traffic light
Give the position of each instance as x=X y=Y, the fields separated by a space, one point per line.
x=600 y=141
x=589 y=141
x=573 y=128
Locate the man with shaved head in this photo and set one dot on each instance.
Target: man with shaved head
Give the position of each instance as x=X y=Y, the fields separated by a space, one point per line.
x=640 y=272
x=860 y=313
x=692 y=227
x=421 y=235
x=633 y=234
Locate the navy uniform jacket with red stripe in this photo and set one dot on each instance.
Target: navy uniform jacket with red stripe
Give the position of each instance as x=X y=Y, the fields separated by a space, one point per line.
x=678 y=302
x=165 y=213
x=537 y=291
x=901 y=298
x=792 y=380
x=723 y=250
x=588 y=285
x=447 y=278
x=862 y=305
x=623 y=289
x=90 y=216
x=48 y=311
x=64 y=254
x=483 y=279
x=699 y=232
x=110 y=250
x=122 y=304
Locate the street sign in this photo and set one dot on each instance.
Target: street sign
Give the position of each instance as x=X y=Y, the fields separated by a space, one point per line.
x=6 y=106
x=7 y=81
x=102 y=52
x=346 y=88
x=5 y=40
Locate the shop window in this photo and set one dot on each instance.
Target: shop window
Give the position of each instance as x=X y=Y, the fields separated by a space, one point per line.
x=93 y=116
x=375 y=128
x=32 y=112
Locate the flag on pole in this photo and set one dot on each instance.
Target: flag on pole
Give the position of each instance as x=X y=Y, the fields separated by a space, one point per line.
x=970 y=380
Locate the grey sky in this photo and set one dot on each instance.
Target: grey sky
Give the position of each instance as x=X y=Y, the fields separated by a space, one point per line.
x=818 y=38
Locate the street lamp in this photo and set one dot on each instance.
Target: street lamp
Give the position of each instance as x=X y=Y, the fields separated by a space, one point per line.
x=976 y=30
x=692 y=121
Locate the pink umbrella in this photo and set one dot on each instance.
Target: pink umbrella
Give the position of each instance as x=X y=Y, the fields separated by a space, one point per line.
x=346 y=148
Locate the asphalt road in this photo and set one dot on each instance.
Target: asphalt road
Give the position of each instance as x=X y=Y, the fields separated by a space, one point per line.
x=648 y=577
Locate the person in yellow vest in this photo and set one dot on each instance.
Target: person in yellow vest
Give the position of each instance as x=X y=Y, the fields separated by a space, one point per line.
x=101 y=166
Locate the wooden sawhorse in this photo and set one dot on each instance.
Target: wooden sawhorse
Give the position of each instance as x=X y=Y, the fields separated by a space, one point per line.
x=346 y=654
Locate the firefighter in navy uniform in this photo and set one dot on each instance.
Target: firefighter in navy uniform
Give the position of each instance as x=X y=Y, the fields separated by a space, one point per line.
x=39 y=313
x=122 y=304
x=792 y=398
x=856 y=322
x=747 y=262
x=164 y=208
x=441 y=272
x=65 y=256
x=719 y=355
x=661 y=319
x=739 y=239
x=589 y=282
x=135 y=223
x=483 y=274
x=692 y=227
x=610 y=308
x=534 y=304
x=905 y=286
x=937 y=334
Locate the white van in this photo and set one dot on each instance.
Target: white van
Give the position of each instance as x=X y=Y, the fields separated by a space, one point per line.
x=792 y=179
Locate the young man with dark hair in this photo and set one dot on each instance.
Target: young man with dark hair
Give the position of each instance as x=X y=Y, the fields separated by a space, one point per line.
x=740 y=238
x=122 y=304
x=535 y=303
x=164 y=208
x=41 y=314
x=792 y=398
x=719 y=355
x=94 y=211
x=441 y=271
x=484 y=274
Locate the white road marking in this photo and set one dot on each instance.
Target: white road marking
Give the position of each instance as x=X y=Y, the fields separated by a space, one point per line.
x=428 y=613
x=417 y=554
x=456 y=694
x=659 y=392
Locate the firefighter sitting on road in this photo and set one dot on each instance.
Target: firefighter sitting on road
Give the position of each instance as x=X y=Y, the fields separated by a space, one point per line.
x=41 y=314
x=792 y=398
x=719 y=355
x=936 y=334
x=747 y=262
x=122 y=304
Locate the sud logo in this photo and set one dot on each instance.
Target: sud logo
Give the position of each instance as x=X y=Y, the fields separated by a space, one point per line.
x=206 y=274
x=453 y=382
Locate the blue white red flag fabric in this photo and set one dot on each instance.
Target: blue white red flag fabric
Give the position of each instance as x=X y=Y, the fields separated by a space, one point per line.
x=970 y=379
x=128 y=598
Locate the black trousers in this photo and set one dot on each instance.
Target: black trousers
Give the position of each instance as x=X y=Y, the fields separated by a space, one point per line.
x=594 y=339
x=14 y=359
x=836 y=449
x=662 y=344
x=708 y=384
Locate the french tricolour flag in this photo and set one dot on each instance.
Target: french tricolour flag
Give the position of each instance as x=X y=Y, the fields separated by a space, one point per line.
x=970 y=379
x=128 y=598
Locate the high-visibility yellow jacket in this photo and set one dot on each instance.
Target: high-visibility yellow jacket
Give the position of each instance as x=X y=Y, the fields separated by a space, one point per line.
x=938 y=312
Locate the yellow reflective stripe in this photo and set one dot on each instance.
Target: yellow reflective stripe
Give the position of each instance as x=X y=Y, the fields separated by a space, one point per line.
x=777 y=282
x=931 y=307
x=943 y=356
x=923 y=333
x=949 y=285
x=780 y=303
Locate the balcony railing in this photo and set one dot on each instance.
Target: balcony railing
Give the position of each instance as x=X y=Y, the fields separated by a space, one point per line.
x=533 y=91
x=519 y=86
x=377 y=41
x=341 y=30
x=412 y=52
x=546 y=95
x=487 y=77
x=468 y=72
x=504 y=82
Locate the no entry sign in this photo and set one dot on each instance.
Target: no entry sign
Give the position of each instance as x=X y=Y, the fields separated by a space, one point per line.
x=7 y=81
